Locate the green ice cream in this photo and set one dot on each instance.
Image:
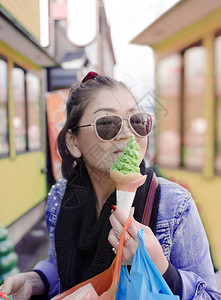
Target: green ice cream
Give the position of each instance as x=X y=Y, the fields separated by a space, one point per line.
x=129 y=160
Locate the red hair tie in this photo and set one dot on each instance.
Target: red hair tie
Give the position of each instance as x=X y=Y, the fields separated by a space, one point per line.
x=89 y=76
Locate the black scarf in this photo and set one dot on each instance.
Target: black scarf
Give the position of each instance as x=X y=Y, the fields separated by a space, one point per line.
x=81 y=239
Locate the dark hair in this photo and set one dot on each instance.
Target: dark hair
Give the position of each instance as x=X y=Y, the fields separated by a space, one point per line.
x=79 y=96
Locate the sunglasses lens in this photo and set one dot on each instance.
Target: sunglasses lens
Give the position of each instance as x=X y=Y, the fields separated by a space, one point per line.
x=141 y=124
x=108 y=127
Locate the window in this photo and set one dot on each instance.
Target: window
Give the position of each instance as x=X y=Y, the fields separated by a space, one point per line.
x=26 y=120
x=19 y=119
x=218 y=103
x=182 y=131
x=168 y=93
x=4 y=140
x=33 y=101
x=195 y=124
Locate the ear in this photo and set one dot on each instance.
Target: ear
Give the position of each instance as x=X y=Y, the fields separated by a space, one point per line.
x=72 y=144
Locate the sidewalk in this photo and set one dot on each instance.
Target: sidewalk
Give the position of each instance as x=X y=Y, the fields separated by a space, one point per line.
x=33 y=247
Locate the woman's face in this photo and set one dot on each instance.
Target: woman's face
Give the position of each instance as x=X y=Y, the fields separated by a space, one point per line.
x=100 y=155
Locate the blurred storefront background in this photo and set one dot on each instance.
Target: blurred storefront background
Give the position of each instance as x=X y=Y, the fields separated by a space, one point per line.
x=35 y=73
x=186 y=41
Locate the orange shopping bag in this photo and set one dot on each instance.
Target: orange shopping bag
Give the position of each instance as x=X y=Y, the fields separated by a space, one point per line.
x=104 y=285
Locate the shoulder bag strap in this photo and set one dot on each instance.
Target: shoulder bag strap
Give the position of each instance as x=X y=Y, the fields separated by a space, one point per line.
x=150 y=200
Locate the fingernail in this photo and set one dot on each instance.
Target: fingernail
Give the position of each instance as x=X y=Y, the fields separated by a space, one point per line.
x=114 y=207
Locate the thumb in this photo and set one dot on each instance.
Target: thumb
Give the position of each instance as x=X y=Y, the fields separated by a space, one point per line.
x=131 y=214
x=137 y=224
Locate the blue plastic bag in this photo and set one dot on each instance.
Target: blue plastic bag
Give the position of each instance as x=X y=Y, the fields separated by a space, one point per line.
x=144 y=281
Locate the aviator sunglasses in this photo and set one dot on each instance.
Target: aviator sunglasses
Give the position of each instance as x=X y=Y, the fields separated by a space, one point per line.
x=108 y=127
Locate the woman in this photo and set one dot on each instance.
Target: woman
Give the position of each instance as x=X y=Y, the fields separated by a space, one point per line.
x=83 y=221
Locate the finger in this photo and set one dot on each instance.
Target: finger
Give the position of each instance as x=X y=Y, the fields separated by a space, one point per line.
x=116 y=226
x=129 y=250
x=112 y=238
x=6 y=287
x=120 y=216
x=118 y=220
x=131 y=215
x=132 y=230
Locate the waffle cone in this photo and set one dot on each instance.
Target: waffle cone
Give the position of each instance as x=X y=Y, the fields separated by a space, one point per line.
x=129 y=182
x=125 y=201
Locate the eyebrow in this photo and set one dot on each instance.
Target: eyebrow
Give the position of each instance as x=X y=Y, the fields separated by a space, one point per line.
x=112 y=109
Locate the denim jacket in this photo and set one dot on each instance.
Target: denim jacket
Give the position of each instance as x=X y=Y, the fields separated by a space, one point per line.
x=179 y=231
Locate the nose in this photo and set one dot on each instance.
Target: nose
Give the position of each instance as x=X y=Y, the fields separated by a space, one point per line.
x=125 y=131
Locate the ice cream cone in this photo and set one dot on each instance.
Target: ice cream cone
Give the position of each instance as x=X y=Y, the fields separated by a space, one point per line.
x=126 y=186
x=125 y=201
x=129 y=182
x=126 y=174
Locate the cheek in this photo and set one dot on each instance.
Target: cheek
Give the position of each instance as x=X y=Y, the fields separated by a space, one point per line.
x=95 y=152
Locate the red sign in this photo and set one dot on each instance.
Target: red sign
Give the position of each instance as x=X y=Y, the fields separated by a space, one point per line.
x=56 y=105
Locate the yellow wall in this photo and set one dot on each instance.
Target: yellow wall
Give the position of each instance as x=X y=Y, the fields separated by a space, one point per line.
x=26 y=12
x=207 y=194
x=22 y=185
x=205 y=186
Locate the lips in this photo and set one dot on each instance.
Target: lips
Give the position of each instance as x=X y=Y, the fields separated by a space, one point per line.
x=118 y=151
